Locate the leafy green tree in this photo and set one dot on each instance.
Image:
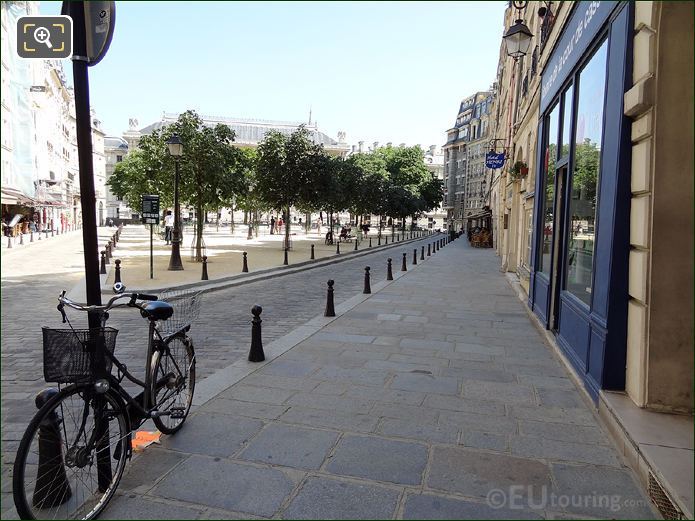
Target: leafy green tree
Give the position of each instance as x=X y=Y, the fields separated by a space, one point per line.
x=286 y=168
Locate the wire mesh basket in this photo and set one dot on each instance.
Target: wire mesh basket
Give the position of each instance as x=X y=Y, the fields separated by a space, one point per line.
x=186 y=304
x=68 y=354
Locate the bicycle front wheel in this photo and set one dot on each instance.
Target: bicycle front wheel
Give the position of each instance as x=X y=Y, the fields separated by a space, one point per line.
x=71 y=457
x=173 y=383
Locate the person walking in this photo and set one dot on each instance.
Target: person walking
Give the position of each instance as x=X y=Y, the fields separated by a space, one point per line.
x=168 y=226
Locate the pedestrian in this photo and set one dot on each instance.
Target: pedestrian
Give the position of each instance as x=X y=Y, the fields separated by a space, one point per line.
x=168 y=227
x=280 y=223
x=272 y=225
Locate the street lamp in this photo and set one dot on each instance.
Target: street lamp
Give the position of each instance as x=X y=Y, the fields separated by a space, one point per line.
x=175 y=147
x=518 y=38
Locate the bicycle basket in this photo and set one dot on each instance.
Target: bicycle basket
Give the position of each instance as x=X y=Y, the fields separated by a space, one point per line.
x=68 y=354
x=186 y=304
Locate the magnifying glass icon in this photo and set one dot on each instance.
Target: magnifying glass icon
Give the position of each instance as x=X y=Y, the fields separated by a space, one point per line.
x=42 y=35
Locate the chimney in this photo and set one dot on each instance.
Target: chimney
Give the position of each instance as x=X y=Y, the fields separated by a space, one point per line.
x=361 y=146
x=376 y=145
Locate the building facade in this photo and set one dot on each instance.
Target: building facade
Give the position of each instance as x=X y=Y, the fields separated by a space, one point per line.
x=597 y=227
x=40 y=172
x=466 y=179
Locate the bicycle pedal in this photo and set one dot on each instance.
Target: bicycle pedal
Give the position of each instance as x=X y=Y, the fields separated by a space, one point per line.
x=177 y=412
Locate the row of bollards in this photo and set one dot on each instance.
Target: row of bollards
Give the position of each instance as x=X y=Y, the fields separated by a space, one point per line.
x=256 y=353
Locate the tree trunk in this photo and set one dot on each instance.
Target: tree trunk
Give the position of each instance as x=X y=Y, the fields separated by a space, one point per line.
x=246 y=217
x=231 y=218
x=199 y=234
x=218 y=218
x=307 y=223
x=287 y=229
x=381 y=225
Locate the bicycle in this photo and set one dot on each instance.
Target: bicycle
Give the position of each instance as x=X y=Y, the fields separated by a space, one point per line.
x=63 y=468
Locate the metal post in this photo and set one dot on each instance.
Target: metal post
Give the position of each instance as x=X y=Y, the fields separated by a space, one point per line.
x=337 y=247
x=378 y=240
x=386 y=237
x=370 y=242
x=367 y=285
x=330 y=309
x=415 y=256
x=52 y=486
x=117 y=276
x=102 y=271
x=106 y=254
x=312 y=252
x=389 y=270
x=256 y=352
x=422 y=254
x=204 y=276
x=355 y=243
x=175 y=263
x=244 y=265
x=285 y=262
x=404 y=266
x=151 y=250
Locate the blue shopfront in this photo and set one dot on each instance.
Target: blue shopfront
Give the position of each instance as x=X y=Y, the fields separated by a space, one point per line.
x=579 y=273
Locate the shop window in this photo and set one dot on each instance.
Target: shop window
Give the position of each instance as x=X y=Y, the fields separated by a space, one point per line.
x=552 y=122
x=585 y=176
x=529 y=237
x=566 y=122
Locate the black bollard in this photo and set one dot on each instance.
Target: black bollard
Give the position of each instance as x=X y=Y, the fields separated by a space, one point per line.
x=330 y=309
x=337 y=247
x=389 y=270
x=404 y=266
x=312 y=252
x=256 y=352
x=117 y=276
x=370 y=242
x=114 y=241
x=103 y=263
x=52 y=487
x=378 y=240
x=422 y=254
x=285 y=262
x=106 y=254
x=367 y=285
x=428 y=249
x=204 y=276
x=386 y=237
x=9 y=241
x=415 y=256
x=355 y=243
x=108 y=250
x=244 y=264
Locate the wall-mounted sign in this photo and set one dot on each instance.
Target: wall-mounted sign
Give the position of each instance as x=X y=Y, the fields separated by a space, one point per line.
x=494 y=160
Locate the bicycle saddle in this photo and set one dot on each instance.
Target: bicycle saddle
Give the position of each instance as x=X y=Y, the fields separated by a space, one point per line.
x=158 y=310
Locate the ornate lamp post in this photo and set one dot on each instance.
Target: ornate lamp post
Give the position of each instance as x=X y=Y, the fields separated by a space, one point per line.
x=518 y=37
x=175 y=147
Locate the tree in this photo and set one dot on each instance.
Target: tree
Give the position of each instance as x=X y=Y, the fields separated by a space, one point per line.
x=212 y=171
x=286 y=168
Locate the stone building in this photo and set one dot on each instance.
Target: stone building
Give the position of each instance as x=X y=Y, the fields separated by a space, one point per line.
x=466 y=180
x=598 y=227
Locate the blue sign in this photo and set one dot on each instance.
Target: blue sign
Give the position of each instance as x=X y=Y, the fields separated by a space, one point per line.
x=584 y=24
x=494 y=160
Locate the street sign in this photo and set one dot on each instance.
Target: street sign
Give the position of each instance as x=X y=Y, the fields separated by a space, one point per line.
x=99 y=21
x=150 y=209
x=494 y=160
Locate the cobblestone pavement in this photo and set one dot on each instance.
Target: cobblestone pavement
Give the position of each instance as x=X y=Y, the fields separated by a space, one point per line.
x=435 y=398
x=221 y=335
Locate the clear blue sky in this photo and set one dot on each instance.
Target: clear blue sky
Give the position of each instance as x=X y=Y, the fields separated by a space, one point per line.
x=380 y=71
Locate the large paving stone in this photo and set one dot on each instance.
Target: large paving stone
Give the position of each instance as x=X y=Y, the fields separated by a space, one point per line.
x=228 y=485
x=322 y=498
x=290 y=446
x=599 y=492
x=249 y=409
x=425 y=383
x=379 y=459
x=499 y=391
x=563 y=432
x=289 y=368
x=149 y=467
x=138 y=507
x=455 y=403
x=562 y=450
x=420 y=431
x=474 y=473
x=212 y=434
x=559 y=398
x=331 y=403
x=427 y=506
x=254 y=394
x=330 y=419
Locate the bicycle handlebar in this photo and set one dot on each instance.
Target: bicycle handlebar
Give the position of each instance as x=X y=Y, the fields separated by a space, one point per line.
x=64 y=301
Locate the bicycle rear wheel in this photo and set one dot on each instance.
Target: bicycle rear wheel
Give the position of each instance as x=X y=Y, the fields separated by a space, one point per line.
x=173 y=383
x=71 y=457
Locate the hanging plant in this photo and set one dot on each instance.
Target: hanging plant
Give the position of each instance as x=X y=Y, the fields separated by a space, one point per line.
x=519 y=170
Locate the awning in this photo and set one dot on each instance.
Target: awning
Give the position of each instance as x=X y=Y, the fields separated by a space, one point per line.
x=12 y=196
x=480 y=215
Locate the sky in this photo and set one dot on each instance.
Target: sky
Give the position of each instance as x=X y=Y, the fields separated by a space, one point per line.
x=379 y=71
